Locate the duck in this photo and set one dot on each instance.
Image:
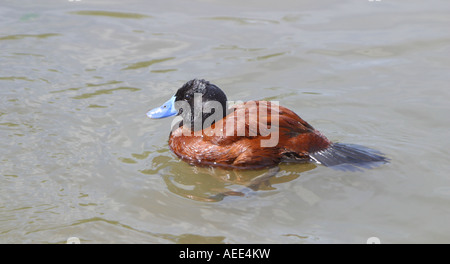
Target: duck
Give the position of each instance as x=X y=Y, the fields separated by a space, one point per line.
x=208 y=130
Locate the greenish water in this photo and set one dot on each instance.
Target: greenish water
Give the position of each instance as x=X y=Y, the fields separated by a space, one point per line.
x=79 y=157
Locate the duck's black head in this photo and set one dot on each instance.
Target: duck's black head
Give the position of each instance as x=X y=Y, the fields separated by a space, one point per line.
x=196 y=100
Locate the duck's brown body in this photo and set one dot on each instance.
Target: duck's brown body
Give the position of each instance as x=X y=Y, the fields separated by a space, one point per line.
x=295 y=139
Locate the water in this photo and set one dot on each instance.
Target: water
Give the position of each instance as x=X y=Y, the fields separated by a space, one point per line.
x=79 y=157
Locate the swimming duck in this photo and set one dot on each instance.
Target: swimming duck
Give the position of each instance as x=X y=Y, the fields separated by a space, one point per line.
x=250 y=135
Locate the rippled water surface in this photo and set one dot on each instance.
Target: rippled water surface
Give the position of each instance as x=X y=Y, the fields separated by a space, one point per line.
x=80 y=158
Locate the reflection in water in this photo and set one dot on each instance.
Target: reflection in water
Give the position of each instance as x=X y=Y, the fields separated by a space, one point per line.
x=110 y=14
x=210 y=184
x=145 y=64
x=23 y=36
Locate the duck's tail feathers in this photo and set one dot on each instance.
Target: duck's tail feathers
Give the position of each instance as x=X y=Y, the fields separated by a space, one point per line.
x=349 y=157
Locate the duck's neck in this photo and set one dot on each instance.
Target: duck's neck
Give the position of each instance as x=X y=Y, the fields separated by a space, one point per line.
x=203 y=117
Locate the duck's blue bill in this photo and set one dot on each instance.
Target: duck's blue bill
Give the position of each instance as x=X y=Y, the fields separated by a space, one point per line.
x=165 y=110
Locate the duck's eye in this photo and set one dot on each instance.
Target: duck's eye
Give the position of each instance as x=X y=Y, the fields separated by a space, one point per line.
x=187 y=96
